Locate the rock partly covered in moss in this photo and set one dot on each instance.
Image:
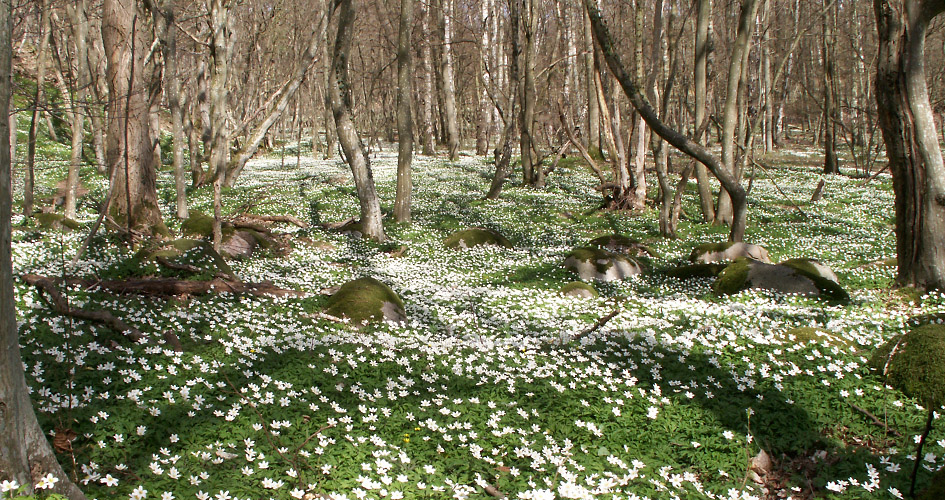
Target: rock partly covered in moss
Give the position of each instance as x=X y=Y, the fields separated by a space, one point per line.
x=811 y=267
x=807 y=334
x=579 y=289
x=914 y=363
x=186 y=252
x=366 y=300
x=747 y=273
x=621 y=244
x=601 y=265
x=720 y=252
x=474 y=237
x=235 y=242
x=57 y=222
x=198 y=225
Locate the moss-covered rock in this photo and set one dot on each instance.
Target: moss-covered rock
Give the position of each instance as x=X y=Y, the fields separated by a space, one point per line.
x=621 y=244
x=198 y=225
x=195 y=253
x=474 y=237
x=710 y=270
x=729 y=250
x=366 y=300
x=914 y=363
x=747 y=273
x=811 y=267
x=57 y=222
x=807 y=334
x=601 y=265
x=579 y=289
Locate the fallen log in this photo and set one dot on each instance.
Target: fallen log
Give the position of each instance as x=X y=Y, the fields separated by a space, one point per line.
x=61 y=306
x=173 y=286
x=277 y=218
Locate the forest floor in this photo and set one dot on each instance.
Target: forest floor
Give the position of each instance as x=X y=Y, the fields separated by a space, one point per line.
x=492 y=387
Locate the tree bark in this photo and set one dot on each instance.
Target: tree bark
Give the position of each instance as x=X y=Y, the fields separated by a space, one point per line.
x=528 y=99
x=593 y=108
x=25 y=454
x=908 y=125
x=340 y=91
x=484 y=125
x=404 y=119
x=426 y=96
x=703 y=47
x=78 y=14
x=678 y=140
x=129 y=152
x=449 y=85
x=29 y=178
x=166 y=28
x=831 y=104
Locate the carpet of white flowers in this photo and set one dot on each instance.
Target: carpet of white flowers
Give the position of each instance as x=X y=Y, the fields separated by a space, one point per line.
x=497 y=384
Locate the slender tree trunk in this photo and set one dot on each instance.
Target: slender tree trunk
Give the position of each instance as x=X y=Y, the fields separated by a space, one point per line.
x=528 y=93
x=129 y=138
x=404 y=120
x=340 y=91
x=484 y=126
x=29 y=178
x=746 y=21
x=25 y=454
x=703 y=47
x=678 y=140
x=503 y=156
x=78 y=14
x=831 y=108
x=766 y=87
x=638 y=176
x=449 y=86
x=426 y=57
x=593 y=108
x=908 y=125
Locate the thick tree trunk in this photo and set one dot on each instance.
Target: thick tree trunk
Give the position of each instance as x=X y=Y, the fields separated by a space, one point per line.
x=678 y=140
x=340 y=91
x=908 y=125
x=449 y=86
x=703 y=47
x=528 y=94
x=129 y=154
x=25 y=454
x=404 y=120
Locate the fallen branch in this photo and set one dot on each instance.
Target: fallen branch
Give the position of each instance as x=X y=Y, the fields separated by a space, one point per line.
x=61 y=306
x=876 y=420
x=277 y=218
x=597 y=326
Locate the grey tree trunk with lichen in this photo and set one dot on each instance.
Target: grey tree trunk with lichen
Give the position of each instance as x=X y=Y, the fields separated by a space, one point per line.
x=703 y=47
x=340 y=92
x=404 y=120
x=134 y=203
x=908 y=125
x=25 y=454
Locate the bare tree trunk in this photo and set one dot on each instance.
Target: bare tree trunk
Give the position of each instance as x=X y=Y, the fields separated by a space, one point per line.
x=678 y=140
x=766 y=88
x=426 y=56
x=166 y=29
x=340 y=91
x=288 y=91
x=912 y=147
x=638 y=176
x=404 y=120
x=703 y=47
x=96 y=65
x=831 y=106
x=29 y=178
x=25 y=454
x=503 y=156
x=593 y=108
x=449 y=86
x=484 y=126
x=746 y=21
x=129 y=138
x=330 y=135
x=528 y=93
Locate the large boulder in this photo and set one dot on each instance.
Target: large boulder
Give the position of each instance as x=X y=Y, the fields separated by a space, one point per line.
x=187 y=253
x=366 y=300
x=808 y=334
x=727 y=251
x=747 y=273
x=621 y=244
x=474 y=237
x=579 y=289
x=601 y=265
x=914 y=363
x=710 y=270
x=812 y=267
x=235 y=242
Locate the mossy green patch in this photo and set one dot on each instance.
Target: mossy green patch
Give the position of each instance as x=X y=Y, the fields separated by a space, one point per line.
x=705 y=248
x=366 y=300
x=578 y=289
x=600 y=258
x=733 y=278
x=475 y=237
x=914 y=363
x=189 y=252
x=199 y=225
x=621 y=244
x=710 y=270
x=807 y=334
x=828 y=287
x=56 y=221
